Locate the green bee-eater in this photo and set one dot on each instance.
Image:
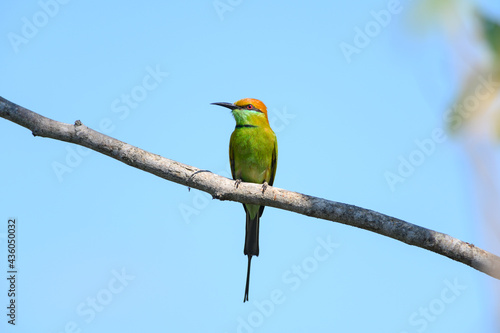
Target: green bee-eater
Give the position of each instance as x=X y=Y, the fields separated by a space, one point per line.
x=253 y=153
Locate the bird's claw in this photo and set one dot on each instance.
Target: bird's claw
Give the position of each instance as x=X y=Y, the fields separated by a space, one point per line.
x=237 y=183
x=264 y=187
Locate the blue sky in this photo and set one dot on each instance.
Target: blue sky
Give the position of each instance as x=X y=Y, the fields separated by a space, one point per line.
x=105 y=247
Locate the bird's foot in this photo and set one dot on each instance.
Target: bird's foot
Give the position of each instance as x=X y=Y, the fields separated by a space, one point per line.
x=264 y=187
x=194 y=173
x=237 y=183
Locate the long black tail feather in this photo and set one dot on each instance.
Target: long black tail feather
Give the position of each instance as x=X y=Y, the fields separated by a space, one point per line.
x=251 y=245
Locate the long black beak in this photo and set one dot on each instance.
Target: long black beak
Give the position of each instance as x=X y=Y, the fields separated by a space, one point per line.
x=226 y=105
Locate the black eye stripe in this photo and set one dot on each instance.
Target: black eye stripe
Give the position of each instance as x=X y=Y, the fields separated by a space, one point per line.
x=244 y=107
x=249 y=126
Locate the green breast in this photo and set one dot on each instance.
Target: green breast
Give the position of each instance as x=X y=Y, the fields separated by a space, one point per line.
x=252 y=151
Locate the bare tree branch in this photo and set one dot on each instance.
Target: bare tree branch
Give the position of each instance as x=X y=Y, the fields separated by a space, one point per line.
x=223 y=189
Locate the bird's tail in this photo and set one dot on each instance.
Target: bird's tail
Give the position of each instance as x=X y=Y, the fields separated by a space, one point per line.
x=251 y=244
x=248 y=279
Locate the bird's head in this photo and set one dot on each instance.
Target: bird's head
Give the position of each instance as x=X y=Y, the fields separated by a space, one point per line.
x=246 y=110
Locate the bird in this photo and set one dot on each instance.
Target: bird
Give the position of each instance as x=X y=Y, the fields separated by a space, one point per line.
x=253 y=155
